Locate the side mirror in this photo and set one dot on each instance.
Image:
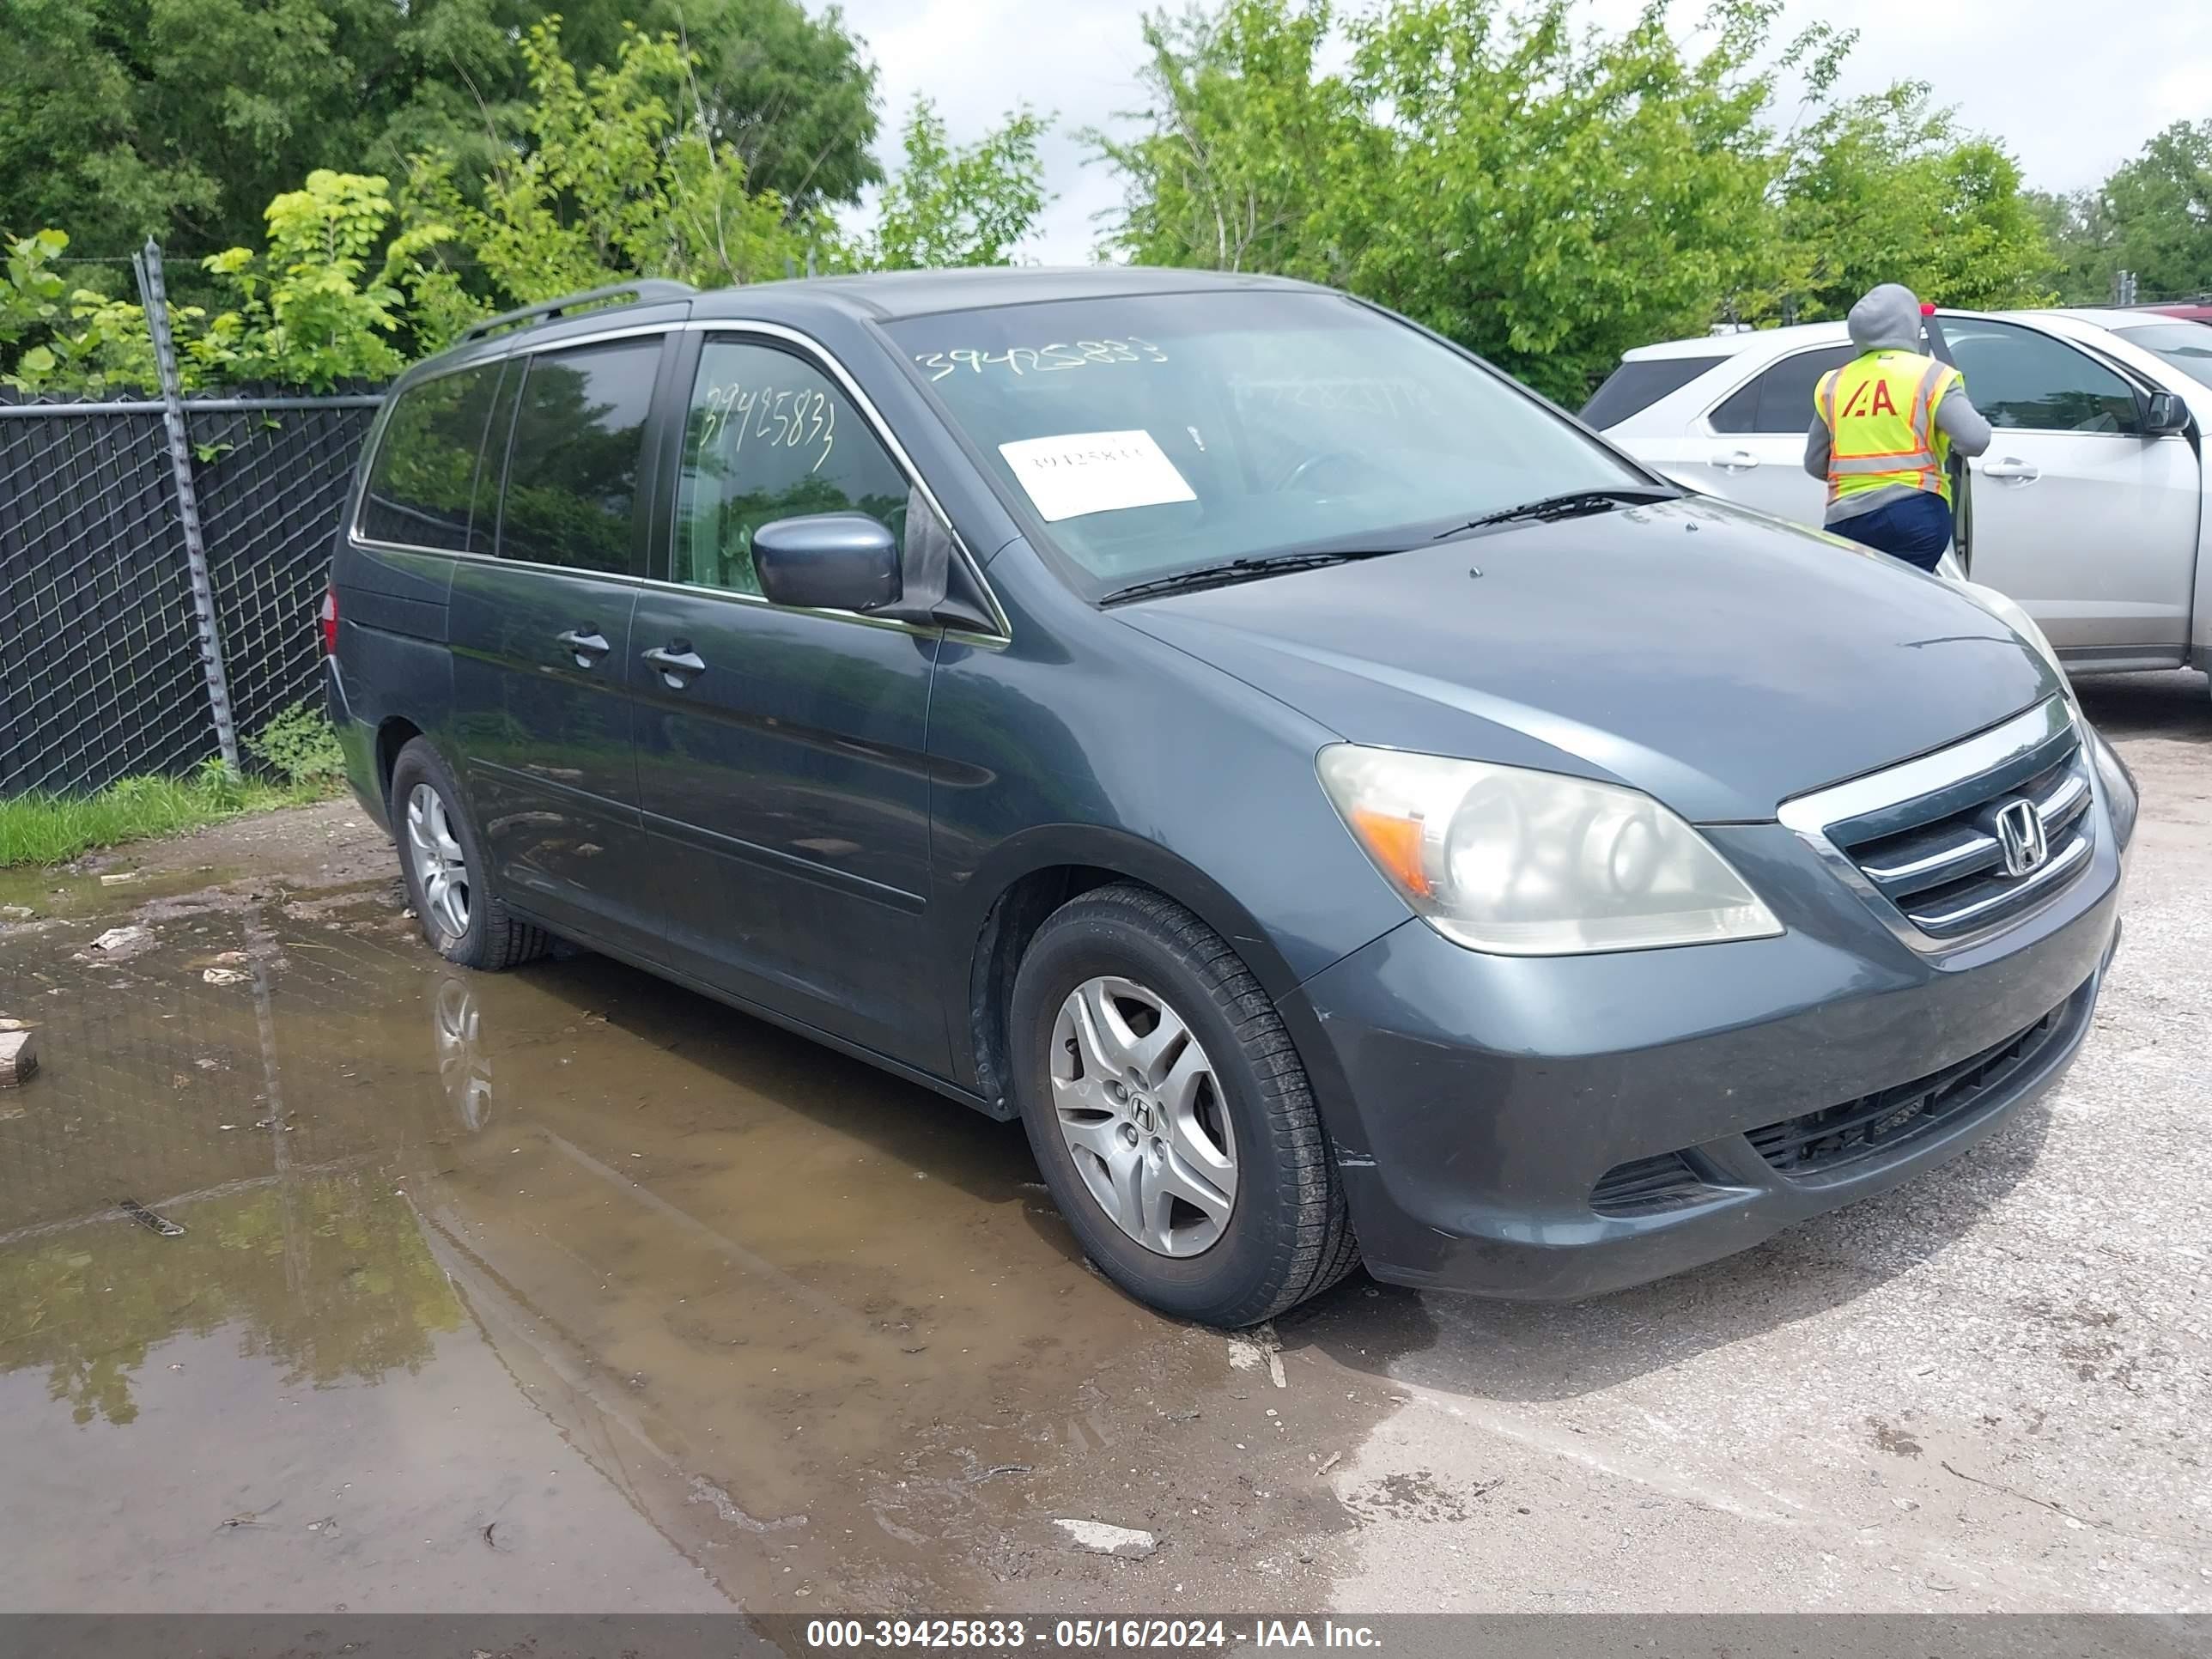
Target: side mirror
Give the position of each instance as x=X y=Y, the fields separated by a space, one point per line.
x=2165 y=412
x=828 y=561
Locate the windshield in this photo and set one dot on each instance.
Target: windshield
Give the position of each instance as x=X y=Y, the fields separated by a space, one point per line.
x=1162 y=433
x=2187 y=346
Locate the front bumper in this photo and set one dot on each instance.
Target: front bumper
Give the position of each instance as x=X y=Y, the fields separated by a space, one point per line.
x=1476 y=1101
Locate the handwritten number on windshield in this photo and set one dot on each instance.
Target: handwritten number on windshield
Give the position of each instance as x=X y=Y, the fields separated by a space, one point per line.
x=781 y=417
x=1042 y=360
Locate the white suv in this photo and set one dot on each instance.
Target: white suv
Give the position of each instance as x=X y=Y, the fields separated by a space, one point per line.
x=2089 y=507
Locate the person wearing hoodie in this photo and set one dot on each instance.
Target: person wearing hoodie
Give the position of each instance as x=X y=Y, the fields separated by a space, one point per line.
x=1883 y=428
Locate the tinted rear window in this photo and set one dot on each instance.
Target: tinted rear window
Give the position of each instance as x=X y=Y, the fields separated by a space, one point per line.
x=1635 y=386
x=1780 y=399
x=572 y=469
x=424 y=476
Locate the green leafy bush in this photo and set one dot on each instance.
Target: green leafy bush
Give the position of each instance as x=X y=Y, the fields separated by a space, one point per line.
x=300 y=746
x=309 y=310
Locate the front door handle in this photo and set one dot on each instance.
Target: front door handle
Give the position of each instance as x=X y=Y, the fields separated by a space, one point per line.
x=680 y=665
x=2013 y=467
x=1737 y=460
x=586 y=644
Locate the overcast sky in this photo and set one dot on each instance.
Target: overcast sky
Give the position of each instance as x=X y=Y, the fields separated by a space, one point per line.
x=2072 y=88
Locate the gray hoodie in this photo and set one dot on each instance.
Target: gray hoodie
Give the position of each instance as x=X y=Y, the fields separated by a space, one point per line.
x=1888 y=319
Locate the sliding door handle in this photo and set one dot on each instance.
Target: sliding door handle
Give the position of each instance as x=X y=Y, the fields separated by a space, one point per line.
x=586 y=644
x=680 y=665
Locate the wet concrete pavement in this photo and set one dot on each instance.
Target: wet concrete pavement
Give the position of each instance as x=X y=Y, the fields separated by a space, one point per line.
x=564 y=1289
x=552 y=1290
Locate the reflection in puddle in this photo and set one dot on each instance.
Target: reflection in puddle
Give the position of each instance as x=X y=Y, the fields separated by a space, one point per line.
x=323 y=1276
x=621 y=1292
x=463 y=1069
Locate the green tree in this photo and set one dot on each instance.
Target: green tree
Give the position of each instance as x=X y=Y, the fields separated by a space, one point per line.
x=1554 y=195
x=120 y=119
x=1551 y=194
x=2078 y=230
x=309 y=311
x=793 y=94
x=1546 y=195
x=313 y=309
x=613 y=172
x=1887 y=189
x=33 y=294
x=2158 y=210
x=182 y=119
x=968 y=205
x=1239 y=143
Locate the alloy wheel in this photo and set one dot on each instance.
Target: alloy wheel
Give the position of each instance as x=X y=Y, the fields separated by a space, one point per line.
x=441 y=869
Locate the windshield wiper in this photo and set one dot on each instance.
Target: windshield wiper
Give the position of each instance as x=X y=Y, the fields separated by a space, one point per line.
x=1573 y=504
x=1245 y=569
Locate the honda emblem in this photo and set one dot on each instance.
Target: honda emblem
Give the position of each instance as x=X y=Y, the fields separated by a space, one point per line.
x=2021 y=837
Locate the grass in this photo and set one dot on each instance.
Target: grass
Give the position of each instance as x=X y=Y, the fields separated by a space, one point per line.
x=42 y=828
x=297 y=745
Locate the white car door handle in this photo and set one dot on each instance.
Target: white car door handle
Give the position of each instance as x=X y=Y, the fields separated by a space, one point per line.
x=2012 y=467
x=1737 y=460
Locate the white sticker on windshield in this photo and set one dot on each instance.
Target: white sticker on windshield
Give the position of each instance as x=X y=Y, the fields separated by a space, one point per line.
x=1095 y=473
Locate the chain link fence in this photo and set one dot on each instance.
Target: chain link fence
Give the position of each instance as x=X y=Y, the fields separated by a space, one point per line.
x=112 y=514
x=101 y=669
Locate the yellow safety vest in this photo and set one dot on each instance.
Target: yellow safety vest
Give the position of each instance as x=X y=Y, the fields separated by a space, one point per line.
x=1880 y=413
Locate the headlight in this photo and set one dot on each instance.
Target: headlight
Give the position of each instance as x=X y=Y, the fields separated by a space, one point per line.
x=2121 y=799
x=1531 y=864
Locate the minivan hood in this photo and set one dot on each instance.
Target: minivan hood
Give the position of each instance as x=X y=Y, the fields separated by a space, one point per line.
x=1719 y=659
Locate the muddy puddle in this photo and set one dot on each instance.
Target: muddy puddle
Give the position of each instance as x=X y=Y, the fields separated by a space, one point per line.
x=566 y=1290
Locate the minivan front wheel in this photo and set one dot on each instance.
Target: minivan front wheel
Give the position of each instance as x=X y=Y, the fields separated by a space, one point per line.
x=447 y=881
x=1142 y=1116
x=1170 y=1113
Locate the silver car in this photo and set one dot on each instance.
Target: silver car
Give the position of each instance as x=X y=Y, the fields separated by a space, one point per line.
x=2088 y=509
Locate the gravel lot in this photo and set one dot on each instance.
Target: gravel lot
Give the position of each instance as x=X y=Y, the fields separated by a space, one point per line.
x=1989 y=1390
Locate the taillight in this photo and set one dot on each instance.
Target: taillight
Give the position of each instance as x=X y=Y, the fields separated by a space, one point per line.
x=330 y=622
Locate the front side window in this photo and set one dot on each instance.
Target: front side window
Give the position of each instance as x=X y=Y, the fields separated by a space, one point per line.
x=2022 y=380
x=2187 y=346
x=422 y=480
x=1161 y=433
x=770 y=436
x=572 y=464
x=1781 y=400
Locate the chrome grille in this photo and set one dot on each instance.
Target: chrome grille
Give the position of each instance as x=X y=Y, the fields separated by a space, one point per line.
x=1949 y=875
x=1967 y=839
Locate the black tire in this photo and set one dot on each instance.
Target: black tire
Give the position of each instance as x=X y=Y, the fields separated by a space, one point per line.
x=1287 y=1236
x=494 y=940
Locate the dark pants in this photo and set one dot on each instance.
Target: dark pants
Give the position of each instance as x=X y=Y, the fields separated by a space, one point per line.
x=1916 y=530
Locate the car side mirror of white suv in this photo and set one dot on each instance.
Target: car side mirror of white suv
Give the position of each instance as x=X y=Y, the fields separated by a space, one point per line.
x=2165 y=412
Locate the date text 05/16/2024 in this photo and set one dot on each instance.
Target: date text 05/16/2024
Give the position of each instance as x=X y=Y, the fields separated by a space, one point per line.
x=1009 y=1636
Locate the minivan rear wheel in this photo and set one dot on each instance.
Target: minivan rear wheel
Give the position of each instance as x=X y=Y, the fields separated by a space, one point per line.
x=447 y=877
x=1170 y=1114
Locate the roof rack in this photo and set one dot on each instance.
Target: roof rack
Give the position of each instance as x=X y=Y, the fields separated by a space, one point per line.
x=645 y=287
